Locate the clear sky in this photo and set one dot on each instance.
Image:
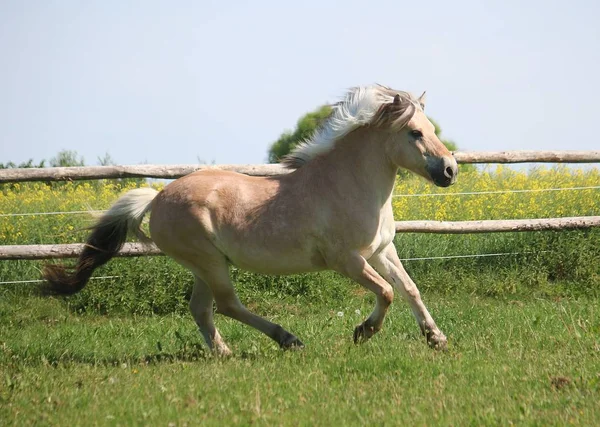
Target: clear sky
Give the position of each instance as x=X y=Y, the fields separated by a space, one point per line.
x=174 y=82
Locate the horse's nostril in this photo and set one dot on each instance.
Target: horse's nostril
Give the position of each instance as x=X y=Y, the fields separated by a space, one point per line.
x=449 y=172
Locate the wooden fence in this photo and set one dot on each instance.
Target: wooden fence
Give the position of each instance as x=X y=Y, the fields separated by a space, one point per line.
x=448 y=227
x=13 y=252
x=177 y=171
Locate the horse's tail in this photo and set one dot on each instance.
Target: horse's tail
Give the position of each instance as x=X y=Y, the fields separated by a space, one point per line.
x=107 y=237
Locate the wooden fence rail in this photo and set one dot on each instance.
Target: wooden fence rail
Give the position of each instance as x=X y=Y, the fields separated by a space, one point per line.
x=176 y=171
x=14 y=252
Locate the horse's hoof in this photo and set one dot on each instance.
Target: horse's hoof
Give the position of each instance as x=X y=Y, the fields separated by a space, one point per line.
x=359 y=334
x=363 y=332
x=222 y=353
x=291 y=342
x=437 y=342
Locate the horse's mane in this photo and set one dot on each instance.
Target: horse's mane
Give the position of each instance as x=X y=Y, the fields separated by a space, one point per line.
x=360 y=106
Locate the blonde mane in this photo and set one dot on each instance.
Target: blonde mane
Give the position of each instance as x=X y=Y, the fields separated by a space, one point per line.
x=360 y=106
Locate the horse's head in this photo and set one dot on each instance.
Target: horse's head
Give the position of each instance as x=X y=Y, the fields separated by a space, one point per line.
x=413 y=144
x=393 y=117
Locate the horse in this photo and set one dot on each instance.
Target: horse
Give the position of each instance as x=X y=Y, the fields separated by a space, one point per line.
x=332 y=211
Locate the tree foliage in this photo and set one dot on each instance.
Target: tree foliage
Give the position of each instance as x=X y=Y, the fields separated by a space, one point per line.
x=70 y=158
x=305 y=127
x=28 y=164
x=67 y=158
x=63 y=158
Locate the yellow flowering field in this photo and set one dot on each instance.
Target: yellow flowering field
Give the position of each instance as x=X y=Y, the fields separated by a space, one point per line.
x=433 y=203
x=445 y=204
x=38 y=197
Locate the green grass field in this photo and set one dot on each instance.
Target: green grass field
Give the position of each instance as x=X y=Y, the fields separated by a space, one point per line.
x=532 y=361
x=523 y=327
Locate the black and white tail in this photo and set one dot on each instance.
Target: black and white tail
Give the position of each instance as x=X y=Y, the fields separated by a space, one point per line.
x=107 y=237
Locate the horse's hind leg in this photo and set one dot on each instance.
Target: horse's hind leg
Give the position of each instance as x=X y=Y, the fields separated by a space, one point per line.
x=201 y=306
x=217 y=278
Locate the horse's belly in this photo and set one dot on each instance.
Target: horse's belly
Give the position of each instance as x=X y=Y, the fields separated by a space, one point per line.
x=267 y=262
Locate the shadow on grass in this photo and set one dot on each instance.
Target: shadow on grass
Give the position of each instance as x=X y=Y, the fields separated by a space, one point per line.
x=195 y=354
x=191 y=353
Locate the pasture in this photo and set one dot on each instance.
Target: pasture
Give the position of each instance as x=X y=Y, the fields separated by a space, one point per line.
x=523 y=327
x=509 y=360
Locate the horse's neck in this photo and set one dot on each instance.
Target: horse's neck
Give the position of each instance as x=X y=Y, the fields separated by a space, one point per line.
x=359 y=167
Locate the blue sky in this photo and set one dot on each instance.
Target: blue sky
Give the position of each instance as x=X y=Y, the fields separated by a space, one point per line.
x=174 y=82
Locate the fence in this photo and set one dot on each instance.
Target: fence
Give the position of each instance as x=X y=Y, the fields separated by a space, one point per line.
x=177 y=171
x=14 y=252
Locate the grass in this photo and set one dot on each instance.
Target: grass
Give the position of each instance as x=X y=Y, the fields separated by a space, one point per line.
x=535 y=361
x=524 y=329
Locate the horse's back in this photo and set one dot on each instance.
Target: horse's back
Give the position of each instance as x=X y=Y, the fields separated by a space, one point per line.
x=247 y=219
x=206 y=198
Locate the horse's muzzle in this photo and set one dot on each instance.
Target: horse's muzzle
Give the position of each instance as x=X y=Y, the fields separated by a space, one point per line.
x=443 y=170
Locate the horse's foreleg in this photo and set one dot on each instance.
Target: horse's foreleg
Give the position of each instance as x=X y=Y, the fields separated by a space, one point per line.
x=201 y=306
x=389 y=265
x=359 y=270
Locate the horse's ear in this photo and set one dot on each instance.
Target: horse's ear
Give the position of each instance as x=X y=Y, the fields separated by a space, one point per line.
x=397 y=100
x=422 y=100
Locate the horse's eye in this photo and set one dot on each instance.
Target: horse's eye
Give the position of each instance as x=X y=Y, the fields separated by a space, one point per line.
x=416 y=134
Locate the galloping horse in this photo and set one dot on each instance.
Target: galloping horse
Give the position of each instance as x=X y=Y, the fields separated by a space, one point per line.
x=333 y=211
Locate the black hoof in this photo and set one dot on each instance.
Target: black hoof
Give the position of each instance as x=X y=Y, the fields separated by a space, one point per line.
x=362 y=333
x=359 y=333
x=291 y=342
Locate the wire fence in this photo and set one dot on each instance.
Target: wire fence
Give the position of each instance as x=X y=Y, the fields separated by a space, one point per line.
x=468 y=193
x=471 y=193
x=15 y=282
x=53 y=213
x=429 y=258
